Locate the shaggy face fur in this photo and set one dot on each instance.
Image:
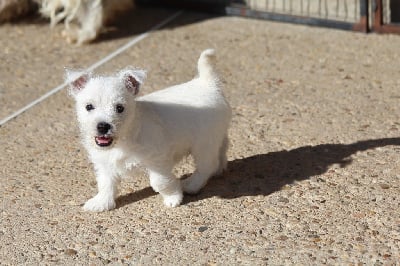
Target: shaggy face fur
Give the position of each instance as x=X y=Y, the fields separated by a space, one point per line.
x=104 y=103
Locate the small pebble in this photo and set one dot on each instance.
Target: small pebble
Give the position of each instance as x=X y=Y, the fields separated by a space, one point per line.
x=71 y=252
x=202 y=229
x=384 y=186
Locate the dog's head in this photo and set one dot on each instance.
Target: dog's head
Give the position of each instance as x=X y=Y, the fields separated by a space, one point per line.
x=105 y=105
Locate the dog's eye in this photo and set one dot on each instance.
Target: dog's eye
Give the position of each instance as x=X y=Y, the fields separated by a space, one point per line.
x=120 y=108
x=89 y=107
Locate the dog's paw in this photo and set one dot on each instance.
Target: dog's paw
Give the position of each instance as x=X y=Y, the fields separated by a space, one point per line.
x=70 y=35
x=99 y=204
x=173 y=200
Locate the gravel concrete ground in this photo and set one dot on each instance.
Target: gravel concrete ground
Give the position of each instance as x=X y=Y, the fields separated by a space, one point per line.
x=313 y=176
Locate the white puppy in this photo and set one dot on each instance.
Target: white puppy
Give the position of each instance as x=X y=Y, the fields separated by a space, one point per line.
x=121 y=130
x=89 y=16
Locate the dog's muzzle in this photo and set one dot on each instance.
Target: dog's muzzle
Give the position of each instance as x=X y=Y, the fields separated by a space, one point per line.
x=103 y=139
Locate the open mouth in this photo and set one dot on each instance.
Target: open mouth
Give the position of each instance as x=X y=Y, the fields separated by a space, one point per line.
x=103 y=141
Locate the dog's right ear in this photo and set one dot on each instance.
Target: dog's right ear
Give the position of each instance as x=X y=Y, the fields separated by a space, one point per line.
x=132 y=79
x=77 y=80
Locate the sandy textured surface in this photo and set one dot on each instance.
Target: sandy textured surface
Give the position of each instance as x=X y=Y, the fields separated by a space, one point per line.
x=313 y=164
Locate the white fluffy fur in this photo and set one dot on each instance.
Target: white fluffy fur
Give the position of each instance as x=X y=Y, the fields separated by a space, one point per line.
x=156 y=130
x=89 y=16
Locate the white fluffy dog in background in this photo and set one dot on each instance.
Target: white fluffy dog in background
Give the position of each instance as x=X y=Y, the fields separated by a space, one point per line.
x=121 y=130
x=83 y=18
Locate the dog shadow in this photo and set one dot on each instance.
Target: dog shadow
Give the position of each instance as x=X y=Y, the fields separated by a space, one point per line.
x=144 y=17
x=135 y=196
x=264 y=174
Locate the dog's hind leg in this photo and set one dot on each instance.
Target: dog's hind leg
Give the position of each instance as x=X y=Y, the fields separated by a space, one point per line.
x=207 y=165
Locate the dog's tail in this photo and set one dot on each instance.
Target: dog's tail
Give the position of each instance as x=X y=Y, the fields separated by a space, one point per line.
x=205 y=65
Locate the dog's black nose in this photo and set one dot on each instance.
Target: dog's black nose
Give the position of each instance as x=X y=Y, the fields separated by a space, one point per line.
x=103 y=127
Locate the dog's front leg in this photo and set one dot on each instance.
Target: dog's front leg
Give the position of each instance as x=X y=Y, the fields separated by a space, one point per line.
x=91 y=24
x=168 y=186
x=107 y=183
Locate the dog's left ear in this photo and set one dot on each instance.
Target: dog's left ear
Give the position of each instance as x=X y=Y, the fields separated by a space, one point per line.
x=132 y=79
x=77 y=80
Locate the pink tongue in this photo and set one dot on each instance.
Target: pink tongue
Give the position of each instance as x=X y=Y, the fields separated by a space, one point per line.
x=103 y=140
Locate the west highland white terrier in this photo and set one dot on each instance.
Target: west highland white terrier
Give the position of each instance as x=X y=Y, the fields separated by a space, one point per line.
x=121 y=130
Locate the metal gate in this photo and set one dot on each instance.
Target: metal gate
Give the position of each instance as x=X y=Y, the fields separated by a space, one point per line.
x=386 y=16
x=359 y=15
